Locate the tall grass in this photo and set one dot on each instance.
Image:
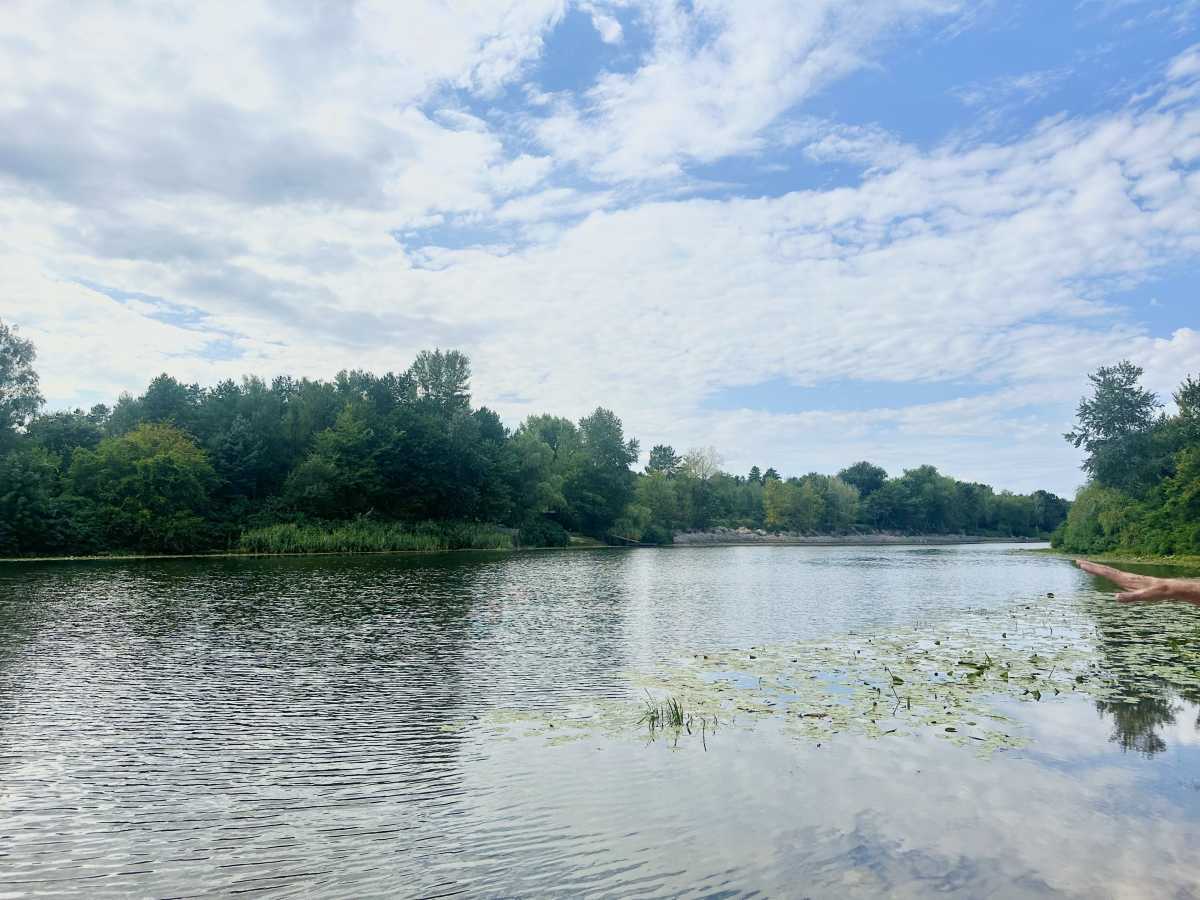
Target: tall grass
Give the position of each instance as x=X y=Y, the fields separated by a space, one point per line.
x=367 y=536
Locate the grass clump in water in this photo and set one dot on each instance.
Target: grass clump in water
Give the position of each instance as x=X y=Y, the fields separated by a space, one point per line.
x=368 y=536
x=660 y=715
x=664 y=714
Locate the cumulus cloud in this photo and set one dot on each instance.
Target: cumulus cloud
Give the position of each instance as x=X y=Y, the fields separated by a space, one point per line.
x=270 y=188
x=720 y=72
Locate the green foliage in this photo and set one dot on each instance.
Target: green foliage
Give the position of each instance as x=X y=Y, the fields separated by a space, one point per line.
x=34 y=519
x=149 y=489
x=600 y=484
x=351 y=463
x=443 y=378
x=20 y=398
x=864 y=477
x=542 y=532
x=1144 y=493
x=657 y=534
x=663 y=459
x=61 y=433
x=368 y=536
x=1116 y=428
x=1096 y=521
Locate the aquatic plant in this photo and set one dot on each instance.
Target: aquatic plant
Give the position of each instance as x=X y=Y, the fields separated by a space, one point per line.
x=664 y=714
x=955 y=679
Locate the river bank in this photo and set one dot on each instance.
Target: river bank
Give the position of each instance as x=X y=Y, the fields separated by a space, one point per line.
x=727 y=536
x=582 y=544
x=713 y=538
x=1118 y=558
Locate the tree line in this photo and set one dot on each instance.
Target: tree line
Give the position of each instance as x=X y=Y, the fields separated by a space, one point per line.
x=183 y=468
x=691 y=492
x=1143 y=468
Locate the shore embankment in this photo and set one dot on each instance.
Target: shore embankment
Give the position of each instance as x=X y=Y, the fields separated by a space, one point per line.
x=719 y=536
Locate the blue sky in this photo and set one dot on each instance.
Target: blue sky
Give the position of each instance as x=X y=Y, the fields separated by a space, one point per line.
x=804 y=234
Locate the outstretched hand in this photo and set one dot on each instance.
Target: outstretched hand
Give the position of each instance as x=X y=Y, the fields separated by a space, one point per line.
x=1145 y=587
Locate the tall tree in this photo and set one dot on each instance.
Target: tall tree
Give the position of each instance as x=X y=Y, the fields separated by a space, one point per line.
x=663 y=459
x=1114 y=425
x=602 y=485
x=864 y=476
x=20 y=398
x=702 y=463
x=444 y=378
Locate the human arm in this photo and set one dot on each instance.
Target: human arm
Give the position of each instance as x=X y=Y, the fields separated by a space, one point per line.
x=1145 y=587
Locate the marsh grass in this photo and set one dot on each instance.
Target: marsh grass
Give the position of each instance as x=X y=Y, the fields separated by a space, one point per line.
x=661 y=715
x=367 y=536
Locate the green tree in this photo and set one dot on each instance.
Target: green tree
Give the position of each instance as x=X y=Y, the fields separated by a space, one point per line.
x=656 y=492
x=664 y=459
x=60 y=433
x=808 y=510
x=31 y=518
x=149 y=489
x=602 y=484
x=443 y=378
x=20 y=398
x=793 y=505
x=1097 y=520
x=779 y=501
x=1114 y=428
x=840 y=505
x=865 y=477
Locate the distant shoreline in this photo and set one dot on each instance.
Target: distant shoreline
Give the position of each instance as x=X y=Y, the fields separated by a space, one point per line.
x=730 y=537
x=684 y=539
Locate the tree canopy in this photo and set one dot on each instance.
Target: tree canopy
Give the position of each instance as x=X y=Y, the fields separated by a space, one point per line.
x=20 y=398
x=182 y=466
x=1143 y=490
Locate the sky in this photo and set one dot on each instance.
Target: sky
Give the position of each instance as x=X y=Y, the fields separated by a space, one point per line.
x=802 y=233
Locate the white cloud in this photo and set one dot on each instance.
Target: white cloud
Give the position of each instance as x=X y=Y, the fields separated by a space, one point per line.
x=1023 y=88
x=1185 y=65
x=258 y=191
x=606 y=25
x=720 y=73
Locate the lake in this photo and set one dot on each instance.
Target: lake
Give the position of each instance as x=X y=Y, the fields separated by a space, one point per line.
x=852 y=721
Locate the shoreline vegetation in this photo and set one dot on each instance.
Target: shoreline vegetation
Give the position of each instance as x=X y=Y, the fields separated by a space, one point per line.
x=1183 y=561
x=577 y=542
x=727 y=537
x=1142 y=498
x=404 y=461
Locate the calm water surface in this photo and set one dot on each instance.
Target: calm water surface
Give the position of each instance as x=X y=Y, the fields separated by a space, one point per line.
x=279 y=726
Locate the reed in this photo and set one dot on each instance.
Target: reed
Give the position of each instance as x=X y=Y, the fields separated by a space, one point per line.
x=669 y=713
x=369 y=536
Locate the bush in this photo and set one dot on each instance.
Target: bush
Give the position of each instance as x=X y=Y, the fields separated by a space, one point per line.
x=656 y=534
x=543 y=532
x=1100 y=519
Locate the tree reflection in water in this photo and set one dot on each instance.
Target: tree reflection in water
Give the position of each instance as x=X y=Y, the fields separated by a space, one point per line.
x=1136 y=725
x=1151 y=703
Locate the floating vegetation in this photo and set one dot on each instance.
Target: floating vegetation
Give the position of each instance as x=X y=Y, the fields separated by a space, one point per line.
x=952 y=680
